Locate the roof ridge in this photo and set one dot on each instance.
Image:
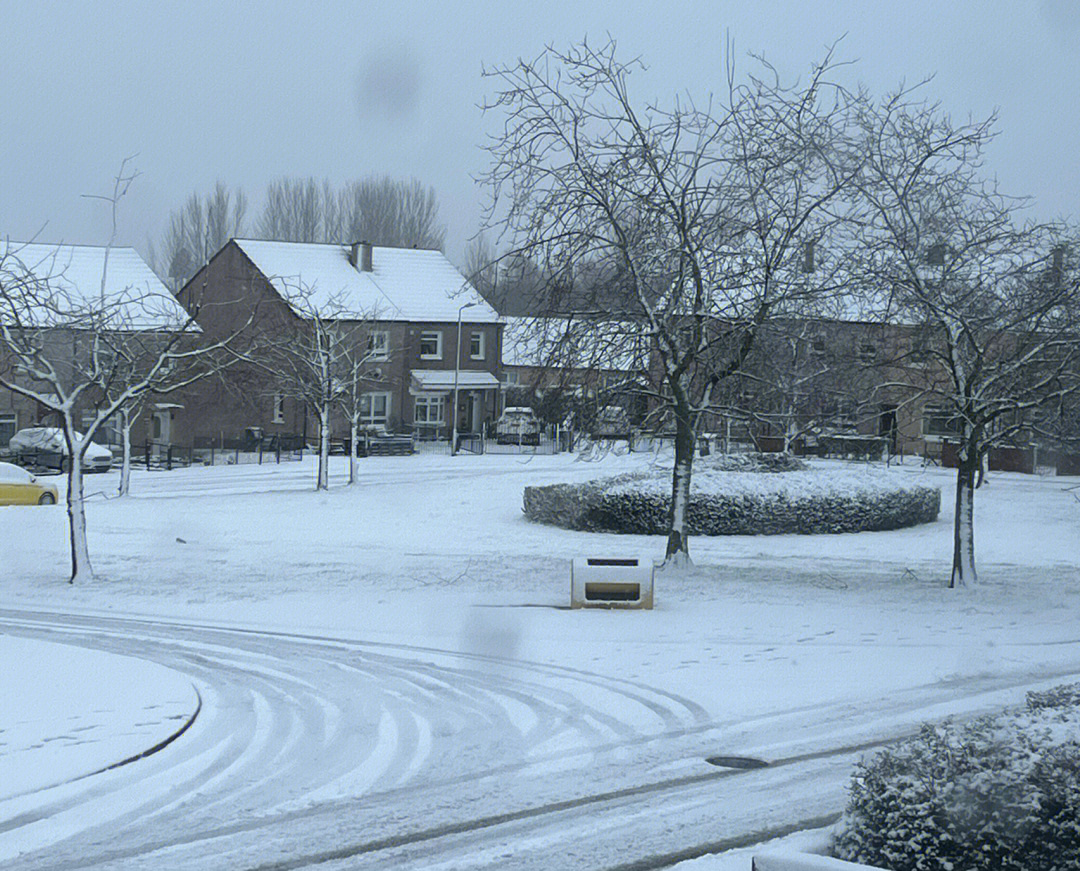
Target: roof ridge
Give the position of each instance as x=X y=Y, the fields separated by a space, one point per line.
x=14 y=244
x=343 y=245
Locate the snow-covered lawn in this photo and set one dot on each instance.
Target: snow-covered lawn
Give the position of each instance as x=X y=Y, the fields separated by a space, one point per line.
x=434 y=551
x=413 y=550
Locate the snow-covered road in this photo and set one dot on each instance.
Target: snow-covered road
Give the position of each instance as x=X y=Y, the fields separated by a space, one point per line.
x=332 y=751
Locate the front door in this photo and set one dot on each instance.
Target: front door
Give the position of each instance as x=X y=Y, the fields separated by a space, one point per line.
x=161 y=427
x=887 y=425
x=476 y=411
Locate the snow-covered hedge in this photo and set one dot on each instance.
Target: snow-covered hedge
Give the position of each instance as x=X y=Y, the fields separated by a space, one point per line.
x=999 y=794
x=739 y=503
x=752 y=461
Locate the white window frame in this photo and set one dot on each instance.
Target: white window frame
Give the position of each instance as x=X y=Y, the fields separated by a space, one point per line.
x=511 y=378
x=426 y=335
x=427 y=401
x=477 y=337
x=379 y=345
x=277 y=408
x=370 y=417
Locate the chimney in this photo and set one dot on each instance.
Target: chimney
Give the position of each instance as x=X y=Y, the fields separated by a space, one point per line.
x=360 y=256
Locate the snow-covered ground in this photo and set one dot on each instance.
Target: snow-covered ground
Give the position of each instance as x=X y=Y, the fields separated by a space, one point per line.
x=764 y=645
x=69 y=712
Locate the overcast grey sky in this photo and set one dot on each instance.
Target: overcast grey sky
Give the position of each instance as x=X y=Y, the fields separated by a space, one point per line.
x=247 y=92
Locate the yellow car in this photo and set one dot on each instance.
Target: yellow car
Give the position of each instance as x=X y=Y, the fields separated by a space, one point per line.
x=19 y=487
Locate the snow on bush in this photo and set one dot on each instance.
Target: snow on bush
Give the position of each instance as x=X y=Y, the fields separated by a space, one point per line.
x=998 y=794
x=739 y=503
x=752 y=462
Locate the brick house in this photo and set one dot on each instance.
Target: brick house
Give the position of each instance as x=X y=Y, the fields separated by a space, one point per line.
x=404 y=306
x=842 y=379
x=137 y=307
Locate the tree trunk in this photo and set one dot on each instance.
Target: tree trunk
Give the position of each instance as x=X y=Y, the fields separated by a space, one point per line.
x=81 y=569
x=324 y=449
x=125 y=461
x=678 y=549
x=353 y=448
x=963 y=568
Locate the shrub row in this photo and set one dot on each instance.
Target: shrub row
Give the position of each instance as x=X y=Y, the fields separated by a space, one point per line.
x=998 y=794
x=593 y=507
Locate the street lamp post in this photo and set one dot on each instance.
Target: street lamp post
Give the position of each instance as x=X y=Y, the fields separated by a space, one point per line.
x=457 y=368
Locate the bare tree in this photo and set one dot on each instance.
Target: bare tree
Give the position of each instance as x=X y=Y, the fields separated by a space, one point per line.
x=359 y=378
x=300 y=210
x=692 y=222
x=987 y=303
x=88 y=357
x=319 y=355
x=385 y=211
x=811 y=379
x=196 y=232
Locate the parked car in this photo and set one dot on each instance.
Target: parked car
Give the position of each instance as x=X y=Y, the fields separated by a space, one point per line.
x=517 y=425
x=45 y=446
x=19 y=487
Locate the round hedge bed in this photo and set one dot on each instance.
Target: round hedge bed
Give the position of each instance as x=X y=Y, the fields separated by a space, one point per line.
x=722 y=502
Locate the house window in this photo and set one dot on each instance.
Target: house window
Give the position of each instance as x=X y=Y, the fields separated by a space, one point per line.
x=511 y=379
x=430 y=411
x=431 y=345
x=818 y=347
x=278 y=409
x=940 y=423
x=868 y=353
x=9 y=425
x=476 y=346
x=374 y=409
x=378 y=345
x=108 y=433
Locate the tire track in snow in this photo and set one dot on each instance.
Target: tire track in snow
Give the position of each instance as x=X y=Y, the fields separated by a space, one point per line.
x=285 y=729
x=357 y=790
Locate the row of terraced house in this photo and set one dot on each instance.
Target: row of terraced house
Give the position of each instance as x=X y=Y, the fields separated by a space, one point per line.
x=424 y=330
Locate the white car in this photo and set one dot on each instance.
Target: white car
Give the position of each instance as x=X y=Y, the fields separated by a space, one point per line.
x=46 y=446
x=518 y=425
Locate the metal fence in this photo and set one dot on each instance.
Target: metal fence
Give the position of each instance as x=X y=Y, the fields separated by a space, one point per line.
x=480 y=444
x=218 y=452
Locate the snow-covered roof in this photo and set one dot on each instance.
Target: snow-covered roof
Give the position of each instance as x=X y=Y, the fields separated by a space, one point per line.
x=443 y=379
x=60 y=285
x=404 y=284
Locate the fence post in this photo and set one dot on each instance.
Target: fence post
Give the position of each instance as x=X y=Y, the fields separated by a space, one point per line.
x=147 y=453
x=277 y=451
x=168 y=459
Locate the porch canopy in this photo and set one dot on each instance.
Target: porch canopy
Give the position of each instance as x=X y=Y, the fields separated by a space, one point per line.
x=442 y=380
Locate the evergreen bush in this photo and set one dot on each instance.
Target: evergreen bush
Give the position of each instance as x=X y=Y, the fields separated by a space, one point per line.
x=637 y=504
x=998 y=794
